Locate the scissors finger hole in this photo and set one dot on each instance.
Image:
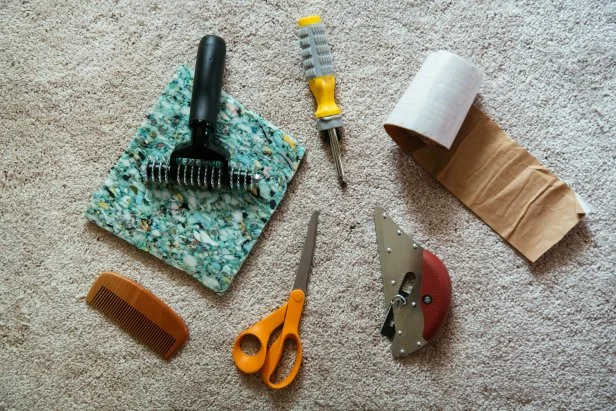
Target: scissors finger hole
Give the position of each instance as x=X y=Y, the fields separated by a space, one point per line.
x=249 y=344
x=286 y=363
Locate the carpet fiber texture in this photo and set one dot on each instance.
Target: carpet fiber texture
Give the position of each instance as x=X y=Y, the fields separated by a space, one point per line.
x=77 y=80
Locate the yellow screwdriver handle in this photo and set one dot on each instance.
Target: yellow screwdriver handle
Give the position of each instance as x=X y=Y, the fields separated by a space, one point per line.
x=318 y=65
x=323 y=91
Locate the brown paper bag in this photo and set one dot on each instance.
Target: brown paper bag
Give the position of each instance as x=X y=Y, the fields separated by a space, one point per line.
x=500 y=181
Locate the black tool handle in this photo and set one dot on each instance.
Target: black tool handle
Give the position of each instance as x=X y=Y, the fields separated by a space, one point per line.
x=208 y=80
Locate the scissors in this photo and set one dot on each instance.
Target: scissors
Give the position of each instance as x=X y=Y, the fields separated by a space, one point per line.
x=287 y=316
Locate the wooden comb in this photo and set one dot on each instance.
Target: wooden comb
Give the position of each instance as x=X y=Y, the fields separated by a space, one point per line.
x=139 y=312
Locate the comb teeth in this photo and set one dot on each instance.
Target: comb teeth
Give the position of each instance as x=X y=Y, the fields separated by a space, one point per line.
x=139 y=312
x=200 y=174
x=133 y=321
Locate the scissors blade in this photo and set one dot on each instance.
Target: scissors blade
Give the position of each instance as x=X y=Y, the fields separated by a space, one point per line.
x=301 y=278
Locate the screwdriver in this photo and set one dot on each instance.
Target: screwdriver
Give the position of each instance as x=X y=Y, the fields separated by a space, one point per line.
x=319 y=72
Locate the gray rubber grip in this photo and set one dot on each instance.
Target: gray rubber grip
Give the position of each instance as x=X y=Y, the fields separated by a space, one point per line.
x=315 y=51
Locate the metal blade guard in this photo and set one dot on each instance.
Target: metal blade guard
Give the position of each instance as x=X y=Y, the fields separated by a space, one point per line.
x=416 y=285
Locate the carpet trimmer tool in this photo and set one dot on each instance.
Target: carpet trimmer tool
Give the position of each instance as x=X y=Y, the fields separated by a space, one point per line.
x=416 y=285
x=200 y=163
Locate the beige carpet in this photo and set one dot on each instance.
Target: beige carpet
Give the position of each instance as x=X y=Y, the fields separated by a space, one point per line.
x=77 y=80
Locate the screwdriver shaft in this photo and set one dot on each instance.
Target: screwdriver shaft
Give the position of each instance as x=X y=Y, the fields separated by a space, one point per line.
x=332 y=133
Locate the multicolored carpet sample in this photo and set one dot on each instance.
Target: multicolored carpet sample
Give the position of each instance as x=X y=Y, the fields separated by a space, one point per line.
x=207 y=234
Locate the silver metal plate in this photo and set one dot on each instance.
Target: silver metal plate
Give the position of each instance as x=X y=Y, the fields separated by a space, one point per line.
x=400 y=255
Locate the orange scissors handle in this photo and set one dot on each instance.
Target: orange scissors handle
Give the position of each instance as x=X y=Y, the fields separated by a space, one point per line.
x=261 y=331
x=290 y=331
x=288 y=316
